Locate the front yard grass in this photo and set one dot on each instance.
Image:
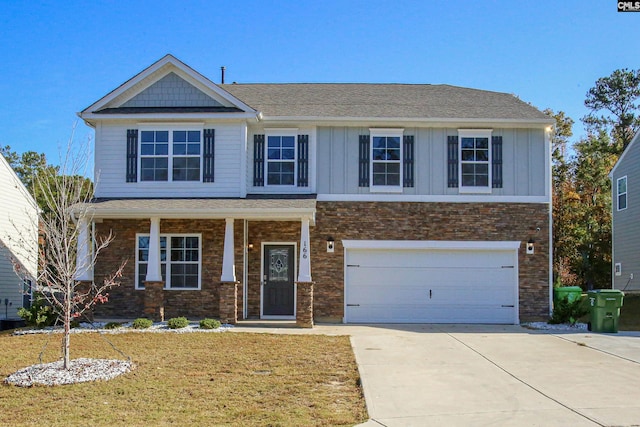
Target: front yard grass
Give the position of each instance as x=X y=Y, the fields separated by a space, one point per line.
x=212 y=379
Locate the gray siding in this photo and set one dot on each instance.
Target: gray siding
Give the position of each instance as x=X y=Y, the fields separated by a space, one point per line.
x=171 y=91
x=524 y=154
x=626 y=225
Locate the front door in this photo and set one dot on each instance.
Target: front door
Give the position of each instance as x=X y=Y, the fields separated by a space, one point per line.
x=278 y=292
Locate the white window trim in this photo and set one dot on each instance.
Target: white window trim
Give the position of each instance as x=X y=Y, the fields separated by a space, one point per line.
x=393 y=132
x=626 y=193
x=169 y=128
x=474 y=133
x=168 y=261
x=280 y=132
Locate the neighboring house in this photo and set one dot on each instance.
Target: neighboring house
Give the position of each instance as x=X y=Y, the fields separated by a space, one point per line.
x=18 y=242
x=625 y=185
x=334 y=202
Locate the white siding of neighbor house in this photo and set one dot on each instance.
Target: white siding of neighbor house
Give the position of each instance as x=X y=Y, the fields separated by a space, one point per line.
x=110 y=165
x=626 y=229
x=18 y=232
x=523 y=151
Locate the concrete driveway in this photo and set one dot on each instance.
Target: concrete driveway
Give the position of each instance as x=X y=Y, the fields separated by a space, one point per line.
x=461 y=375
x=479 y=375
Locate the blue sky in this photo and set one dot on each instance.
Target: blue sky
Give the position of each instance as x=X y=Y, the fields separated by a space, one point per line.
x=61 y=56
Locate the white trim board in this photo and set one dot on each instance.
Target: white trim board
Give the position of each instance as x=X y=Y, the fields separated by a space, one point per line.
x=461 y=198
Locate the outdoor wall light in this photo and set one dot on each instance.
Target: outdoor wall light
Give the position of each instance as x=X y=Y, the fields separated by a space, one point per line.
x=331 y=244
x=530 y=247
x=250 y=247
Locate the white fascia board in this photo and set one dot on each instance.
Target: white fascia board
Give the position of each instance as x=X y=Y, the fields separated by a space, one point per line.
x=623 y=155
x=431 y=245
x=462 y=198
x=169 y=116
x=432 y=122
x=256 y=214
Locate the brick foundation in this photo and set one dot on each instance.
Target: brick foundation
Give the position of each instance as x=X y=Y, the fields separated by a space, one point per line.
x=304 y=304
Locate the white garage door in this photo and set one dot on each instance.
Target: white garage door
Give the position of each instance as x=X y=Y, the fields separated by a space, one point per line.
x=431 y=282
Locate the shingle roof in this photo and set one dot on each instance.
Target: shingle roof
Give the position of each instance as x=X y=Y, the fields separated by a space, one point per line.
x=381 y=101
x=200 y=207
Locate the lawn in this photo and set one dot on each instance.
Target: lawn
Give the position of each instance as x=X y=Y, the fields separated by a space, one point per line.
x=212 y=379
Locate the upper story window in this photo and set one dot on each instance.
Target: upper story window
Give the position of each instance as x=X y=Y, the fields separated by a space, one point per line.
x=281 y=159
x=386 y=160
x=622 y=193
x=170 y=155
x=475 y=161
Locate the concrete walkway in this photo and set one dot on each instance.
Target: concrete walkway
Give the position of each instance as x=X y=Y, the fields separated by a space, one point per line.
x=462 y=375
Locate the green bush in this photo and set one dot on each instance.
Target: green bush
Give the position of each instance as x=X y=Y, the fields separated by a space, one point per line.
x=40 y=314
x=113 y=325
x=209 y=324
x=178 y=323
x=142 y=323
x=568 y=312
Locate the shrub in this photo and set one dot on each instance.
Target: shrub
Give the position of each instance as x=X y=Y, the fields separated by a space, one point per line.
x=142 y=323
x=40 y=314
x=178 y=323
x=209 y=324
x=568 y=312
x=113 y=325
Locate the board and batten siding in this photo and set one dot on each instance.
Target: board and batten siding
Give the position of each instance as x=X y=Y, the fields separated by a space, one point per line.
x=523 y=152
x=110 y=165
x=285 y=189
x=626 y=232
x=19 y=233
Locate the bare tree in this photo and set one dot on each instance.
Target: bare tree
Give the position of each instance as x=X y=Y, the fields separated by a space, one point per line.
x=64 y=194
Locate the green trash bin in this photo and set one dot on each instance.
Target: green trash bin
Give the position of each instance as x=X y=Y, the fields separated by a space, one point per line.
x=570 y=293
x=605 y=309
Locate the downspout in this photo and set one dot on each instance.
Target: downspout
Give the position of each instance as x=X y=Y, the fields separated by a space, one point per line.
x=245 y=268
x=547 y=140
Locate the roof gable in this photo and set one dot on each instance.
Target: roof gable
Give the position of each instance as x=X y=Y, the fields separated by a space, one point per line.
x=621 y=159
x=168 y=83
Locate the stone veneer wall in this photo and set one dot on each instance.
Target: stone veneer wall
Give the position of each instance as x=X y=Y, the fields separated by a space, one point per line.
x=429 y=221
x=127 y=302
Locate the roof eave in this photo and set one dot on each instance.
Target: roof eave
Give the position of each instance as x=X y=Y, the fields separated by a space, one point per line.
x=166 y=116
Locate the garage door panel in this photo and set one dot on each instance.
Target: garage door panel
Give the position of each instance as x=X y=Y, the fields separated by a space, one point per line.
x=431 y=286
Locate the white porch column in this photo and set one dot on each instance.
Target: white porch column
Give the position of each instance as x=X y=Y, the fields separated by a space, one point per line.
x=228 y=261
x=304 y=270
x=154 y=273
x=84 y=264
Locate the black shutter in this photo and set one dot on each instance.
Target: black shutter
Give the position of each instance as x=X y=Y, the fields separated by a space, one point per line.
x=258 y=160
x=363 y=180
x=132 y=155
x=452 y=155
x=407 y=161
x=303 y=160
x=208 y=155
x=496 y=162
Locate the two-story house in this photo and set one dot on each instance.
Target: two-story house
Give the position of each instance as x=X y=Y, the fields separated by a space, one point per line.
x=335 y=202
x=625 y=185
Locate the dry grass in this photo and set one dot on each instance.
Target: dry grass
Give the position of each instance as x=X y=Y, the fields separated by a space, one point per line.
x=219 y=379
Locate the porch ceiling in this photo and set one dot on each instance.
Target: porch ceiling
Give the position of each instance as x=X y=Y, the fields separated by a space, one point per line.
x=257 y=209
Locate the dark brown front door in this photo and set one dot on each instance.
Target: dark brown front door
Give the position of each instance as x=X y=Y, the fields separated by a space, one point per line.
x=278 y=280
